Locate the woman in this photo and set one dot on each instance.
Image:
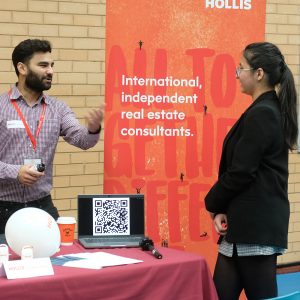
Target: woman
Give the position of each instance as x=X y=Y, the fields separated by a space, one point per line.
x=249 y=201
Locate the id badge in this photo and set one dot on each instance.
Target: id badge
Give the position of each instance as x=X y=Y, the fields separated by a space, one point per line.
x=14 y=124
x=32 y=161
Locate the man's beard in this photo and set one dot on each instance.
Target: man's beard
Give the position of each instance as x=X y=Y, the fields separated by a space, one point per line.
x=37 y=84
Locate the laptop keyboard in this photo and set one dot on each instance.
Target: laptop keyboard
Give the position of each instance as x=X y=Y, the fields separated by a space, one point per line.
x=114 y=240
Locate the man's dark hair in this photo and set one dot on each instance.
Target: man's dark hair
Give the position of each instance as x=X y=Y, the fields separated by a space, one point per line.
x=24 y=51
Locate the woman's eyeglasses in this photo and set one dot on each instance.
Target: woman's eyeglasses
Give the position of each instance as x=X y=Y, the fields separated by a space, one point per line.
x=239 y=69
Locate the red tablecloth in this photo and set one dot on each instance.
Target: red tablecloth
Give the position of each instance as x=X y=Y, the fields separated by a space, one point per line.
x=177 y=276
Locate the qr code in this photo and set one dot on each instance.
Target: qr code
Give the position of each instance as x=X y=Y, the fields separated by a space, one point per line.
x=111 y=216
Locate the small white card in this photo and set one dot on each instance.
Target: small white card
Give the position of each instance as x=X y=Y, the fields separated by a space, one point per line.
x=32 y=161
x=14 y=124
x=27 y=268
x=4 y=255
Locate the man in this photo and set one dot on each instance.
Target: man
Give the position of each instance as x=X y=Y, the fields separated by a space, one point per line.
x=30 y=125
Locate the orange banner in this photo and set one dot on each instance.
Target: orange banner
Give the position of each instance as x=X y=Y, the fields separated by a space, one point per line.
x=171 y=97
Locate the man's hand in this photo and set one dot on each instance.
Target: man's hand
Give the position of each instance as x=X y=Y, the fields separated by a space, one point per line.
x=28 y=175
x=220 y=222
x=94 y=119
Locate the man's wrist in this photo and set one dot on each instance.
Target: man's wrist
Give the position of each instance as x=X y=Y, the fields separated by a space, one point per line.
x=96 y=132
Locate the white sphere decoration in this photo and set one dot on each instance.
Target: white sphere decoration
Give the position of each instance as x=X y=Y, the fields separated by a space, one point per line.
x=34 y=227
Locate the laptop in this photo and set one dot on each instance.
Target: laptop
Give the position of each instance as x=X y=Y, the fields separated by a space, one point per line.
x=110 y=220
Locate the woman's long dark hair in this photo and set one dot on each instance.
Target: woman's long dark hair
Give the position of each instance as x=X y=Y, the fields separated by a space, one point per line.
x=268 y=57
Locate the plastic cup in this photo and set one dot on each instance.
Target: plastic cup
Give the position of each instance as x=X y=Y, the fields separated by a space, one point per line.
x=66 y=227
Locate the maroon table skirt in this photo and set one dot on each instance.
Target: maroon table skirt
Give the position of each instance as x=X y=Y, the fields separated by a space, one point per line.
x=177 y=276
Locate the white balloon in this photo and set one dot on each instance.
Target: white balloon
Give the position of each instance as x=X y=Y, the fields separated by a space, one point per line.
x=34 y=227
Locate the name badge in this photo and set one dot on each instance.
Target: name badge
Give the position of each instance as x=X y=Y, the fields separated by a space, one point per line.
x=32 y=161
x=14 y=124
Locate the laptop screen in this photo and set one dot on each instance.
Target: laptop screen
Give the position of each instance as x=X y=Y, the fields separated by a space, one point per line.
x=110 y=214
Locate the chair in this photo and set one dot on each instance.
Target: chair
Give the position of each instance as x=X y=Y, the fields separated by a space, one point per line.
x=292 y=296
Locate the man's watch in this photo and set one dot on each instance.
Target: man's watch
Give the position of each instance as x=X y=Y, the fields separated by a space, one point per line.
x=98 y=131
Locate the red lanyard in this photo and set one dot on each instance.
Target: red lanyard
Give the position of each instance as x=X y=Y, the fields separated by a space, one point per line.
x=41 y=120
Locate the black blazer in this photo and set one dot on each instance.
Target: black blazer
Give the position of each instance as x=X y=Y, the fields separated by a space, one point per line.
x=253 y=176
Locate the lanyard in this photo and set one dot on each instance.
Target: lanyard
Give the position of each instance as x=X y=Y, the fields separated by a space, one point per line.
x=41 y=120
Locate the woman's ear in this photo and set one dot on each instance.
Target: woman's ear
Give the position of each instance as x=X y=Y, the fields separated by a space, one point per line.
x=260 y=74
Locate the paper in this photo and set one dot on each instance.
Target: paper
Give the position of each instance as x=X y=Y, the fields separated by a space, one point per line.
x=95 y=260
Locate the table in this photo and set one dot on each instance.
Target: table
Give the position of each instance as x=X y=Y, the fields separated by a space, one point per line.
x=177 y=276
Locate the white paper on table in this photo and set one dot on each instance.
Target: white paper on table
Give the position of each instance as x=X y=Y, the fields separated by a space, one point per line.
x=83 y=263
x=98 y=260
